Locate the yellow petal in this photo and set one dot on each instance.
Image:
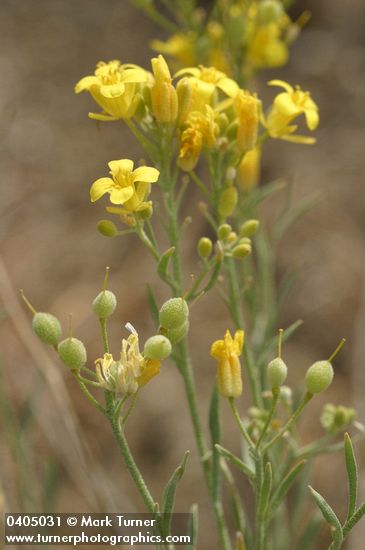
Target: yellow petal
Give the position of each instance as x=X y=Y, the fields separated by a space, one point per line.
x=217 y=349
x=100 y=187
x=134 y=75
x=121 y=195
x=101 y=116
x=228 y=86
x=86 y=83
x=312 y=118
x=238 y=340
x=285 y=104
x=281 y=84
x=146 y=174
x=193 y=71
x=122 y=165
x=111 y=91
x=306 y=140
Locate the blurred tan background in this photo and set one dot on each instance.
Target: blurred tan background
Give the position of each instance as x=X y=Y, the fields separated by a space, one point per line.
x=50 y=153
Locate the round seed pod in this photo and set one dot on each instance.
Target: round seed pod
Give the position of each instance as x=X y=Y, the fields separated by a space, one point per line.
x=104 y=304
x=107 y=228
x=72 y=353
x=205 y=246
x=47 y=327
x=319 y=377
x=175 y=335
x=277 y=372
x=174 y=313
x=157 y=347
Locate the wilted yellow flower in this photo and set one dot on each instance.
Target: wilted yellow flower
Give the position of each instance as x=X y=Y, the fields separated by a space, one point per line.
x=248 y=170
x=247 y=108
x=180 y=46
x=286 y=108
x=163 y=94
x=115 y=88
x=227 y=353
x=126 y=186
x=131 y=372
x=201 y=131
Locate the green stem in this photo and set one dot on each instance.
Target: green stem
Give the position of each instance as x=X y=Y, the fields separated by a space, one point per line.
x=104 y=335
x=90 y=397
x=275 y=397
x=242 y=428
x=288 y=425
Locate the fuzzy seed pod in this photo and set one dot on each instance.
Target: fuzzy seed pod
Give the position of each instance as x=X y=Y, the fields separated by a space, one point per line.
x=72 y=353
x=319 y=377
x=249 y=228
x=47 y=327
x=175 y=335
x=277 y=372
x=104 y=304
x=107 y=228
x=205 y=246
x=174 y=313
x=157 y=347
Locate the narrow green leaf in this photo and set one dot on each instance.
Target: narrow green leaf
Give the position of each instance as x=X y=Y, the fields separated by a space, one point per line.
x=354 y=519
x=236 y=461
x=265 y=492
x=285 y=485
x=262 y=193
x=330 y=517
x=238 y=512
x=163 y=263
x=293 y=214
x=168 y=499
x=310 y=532
x=152 y=303
x=352 y=475
x=193 y=527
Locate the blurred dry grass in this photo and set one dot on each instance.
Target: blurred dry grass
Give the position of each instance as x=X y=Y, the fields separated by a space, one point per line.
x=50 y=152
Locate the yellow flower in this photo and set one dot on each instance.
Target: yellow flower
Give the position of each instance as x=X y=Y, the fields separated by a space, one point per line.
x=247 y=108
x=286 y=108
x=131 y=372
x=115 y=88
x=248 y=171
x=227 y=353
x=267 y=48
x=201 y=131
x=180 y=46
x=126 y=186
x=163 y=94
x=207 y=80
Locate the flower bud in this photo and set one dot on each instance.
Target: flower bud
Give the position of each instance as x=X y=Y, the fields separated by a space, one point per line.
x=157 y=347
x=47 y=327
x=241 y=251
x=223 y=231
x=205 y=247
x=173 y=313
x=175 y=335
x=163 y=94
x=72 y=353
x=249 y=228
x=185 y=95
x=107 y=228
x=104 y=304
x=319 y=377
x=276 y=372
x=232 y=237
x=248 y=171
x=269 y=11
x=335 y=418
x=227 y=202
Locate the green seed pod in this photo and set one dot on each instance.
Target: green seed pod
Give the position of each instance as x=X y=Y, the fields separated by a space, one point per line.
x=277 y=372
x=269 y=11
x=72 y=353
x=205 y=247
x=47 y=327
x=104 y=304
x=173 y=313
x=319 y=377
x=175 y=335
x=157 y=347
x=241 y=251
x=107 y=228
x=227 y=202
x=249 y=228
x=223 y=231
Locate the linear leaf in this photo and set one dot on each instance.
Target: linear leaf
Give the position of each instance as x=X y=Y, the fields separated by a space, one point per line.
x=236 y=461
x=193 y=526
x=265 y=492
x=163 y=263
x=168 y=499
x=352 y=475
x=214 y=427
x=285 y=485
x=330 y=517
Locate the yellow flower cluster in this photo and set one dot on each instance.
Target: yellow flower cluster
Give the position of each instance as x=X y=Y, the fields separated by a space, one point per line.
x=204 y=110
